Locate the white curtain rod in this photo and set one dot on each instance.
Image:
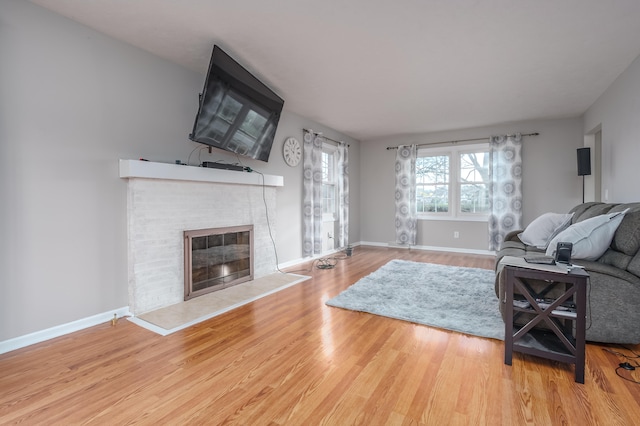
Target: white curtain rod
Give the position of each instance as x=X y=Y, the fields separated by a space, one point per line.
x=463 y=140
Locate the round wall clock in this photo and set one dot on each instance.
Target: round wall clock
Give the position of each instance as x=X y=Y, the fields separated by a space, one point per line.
x=292 y=151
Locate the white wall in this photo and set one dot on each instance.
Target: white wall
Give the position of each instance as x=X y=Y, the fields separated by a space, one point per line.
x=73 y=102
x=617 y=111
x=550 y=181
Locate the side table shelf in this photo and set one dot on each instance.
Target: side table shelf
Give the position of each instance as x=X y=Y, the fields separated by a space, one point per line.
x=563 y=336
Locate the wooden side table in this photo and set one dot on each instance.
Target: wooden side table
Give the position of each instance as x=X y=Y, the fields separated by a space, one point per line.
x=558 y=342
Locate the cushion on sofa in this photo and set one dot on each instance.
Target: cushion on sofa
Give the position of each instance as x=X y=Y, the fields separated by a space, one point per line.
x=543 y=228
x=609 y=270
x=627 y=237
x=581 y=208
x=590 y=237
x=633 y=207
x=634 y=266
x=615 y=258
x=594 y=210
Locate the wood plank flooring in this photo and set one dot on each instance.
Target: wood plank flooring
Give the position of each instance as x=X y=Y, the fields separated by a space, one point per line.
x=289 y=359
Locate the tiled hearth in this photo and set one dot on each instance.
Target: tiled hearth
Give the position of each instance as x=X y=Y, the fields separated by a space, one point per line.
x=166 y=199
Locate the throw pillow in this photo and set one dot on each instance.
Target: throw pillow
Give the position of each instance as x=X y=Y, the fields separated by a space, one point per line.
x=590 y=238
x=542 y=230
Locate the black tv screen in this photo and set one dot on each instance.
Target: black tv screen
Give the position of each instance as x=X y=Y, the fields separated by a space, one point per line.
x=237 y=112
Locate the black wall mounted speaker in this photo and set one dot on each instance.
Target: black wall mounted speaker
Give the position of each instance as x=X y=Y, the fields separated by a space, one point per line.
x=584 y=161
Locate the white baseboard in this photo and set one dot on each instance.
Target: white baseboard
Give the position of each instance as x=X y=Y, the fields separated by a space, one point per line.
x=430 y=248
x=456 y=250
x=318 y=256
x=376 y=244
x=60 y=330
x=389 y=245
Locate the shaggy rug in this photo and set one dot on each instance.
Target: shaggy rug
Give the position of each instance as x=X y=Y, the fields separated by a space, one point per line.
x=449 y=297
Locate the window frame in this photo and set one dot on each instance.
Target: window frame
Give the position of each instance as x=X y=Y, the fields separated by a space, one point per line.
x=455 y=182
x=333 y=151
x=437 y=153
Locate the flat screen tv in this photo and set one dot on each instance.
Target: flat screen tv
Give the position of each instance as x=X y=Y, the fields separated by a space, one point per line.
x=237 y=112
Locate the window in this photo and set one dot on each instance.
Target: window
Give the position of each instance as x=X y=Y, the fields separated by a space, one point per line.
x=473 y=182
x=432 y=183
x=453 y=182
x=329 y=184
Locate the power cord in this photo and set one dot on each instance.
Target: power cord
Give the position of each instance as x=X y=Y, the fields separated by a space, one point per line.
x=323 y=263
x=626 y=365
x=266 y=212
x=198 y=148
x=326 y=263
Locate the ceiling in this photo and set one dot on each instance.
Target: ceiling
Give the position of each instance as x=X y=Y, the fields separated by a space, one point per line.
x=374 y=68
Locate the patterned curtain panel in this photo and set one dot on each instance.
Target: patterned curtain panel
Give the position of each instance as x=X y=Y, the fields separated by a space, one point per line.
x=505 y=190
x=406 y=216
x=343 y=194
x=312 y=196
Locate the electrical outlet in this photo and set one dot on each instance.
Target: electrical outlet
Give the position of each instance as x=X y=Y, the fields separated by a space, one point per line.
x=456 y=234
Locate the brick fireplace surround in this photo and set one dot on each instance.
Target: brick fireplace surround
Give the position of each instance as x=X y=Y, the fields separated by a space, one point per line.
x=163 y=200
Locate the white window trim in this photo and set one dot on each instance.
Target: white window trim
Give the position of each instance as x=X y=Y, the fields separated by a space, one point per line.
x=453 y=152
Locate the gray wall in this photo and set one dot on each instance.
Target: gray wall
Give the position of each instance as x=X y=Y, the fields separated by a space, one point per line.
x=289 y=201
x=617 y=113
x=550 y=181
x=73 y=102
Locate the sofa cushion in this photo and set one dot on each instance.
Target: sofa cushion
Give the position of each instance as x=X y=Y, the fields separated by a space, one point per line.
x=512 y=244
x=594 y=210
x=543 y=228
x=581 y=208
x=590 y=237
x=627 y=237
x=609 y=270
x=615 y=258
x=632 y=207
x=634 y=265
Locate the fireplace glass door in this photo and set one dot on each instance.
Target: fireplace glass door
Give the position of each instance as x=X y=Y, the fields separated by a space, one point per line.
x=217 y=258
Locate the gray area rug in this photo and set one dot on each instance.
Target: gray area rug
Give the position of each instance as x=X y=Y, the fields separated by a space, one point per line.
x=449 y=297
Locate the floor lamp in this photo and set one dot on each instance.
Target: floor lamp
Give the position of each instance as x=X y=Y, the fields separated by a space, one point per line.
x=584 y=165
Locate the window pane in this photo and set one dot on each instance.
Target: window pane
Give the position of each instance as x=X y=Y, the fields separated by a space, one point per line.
x=327 y=167
x=328 y=198
x=474 y=181
x=432 y=184
x=328 y=183
x=432 y=169
x=474 y=198
x=432 y=198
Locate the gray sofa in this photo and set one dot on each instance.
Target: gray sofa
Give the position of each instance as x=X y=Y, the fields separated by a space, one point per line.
x=613 y=294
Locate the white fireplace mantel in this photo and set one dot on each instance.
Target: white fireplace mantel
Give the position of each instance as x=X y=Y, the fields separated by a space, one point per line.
x=153 y=170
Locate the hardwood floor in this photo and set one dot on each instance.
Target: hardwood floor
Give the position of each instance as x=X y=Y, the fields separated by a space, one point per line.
x=290 y=359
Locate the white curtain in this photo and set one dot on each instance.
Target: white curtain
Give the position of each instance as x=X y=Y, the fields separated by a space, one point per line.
x=505 y=189
x=312 y=197
x=406 y=216
x=343 y=194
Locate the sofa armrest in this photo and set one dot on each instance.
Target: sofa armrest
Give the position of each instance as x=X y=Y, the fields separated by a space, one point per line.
x=513 y=236
x=608 y=270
